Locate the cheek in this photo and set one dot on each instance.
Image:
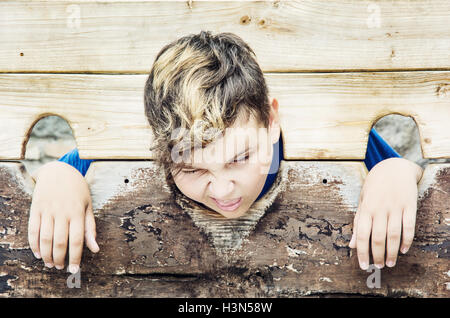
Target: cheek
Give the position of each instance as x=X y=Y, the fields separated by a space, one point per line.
x=261 y=166
x=253 y=175
x=252 y=180
x=190 y=187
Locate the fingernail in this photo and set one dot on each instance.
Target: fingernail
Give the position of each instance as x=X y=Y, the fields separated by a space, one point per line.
x=59 y=266
x=379 y=266
x=351 y=241
x=404 y=250
x=49 y=265
x=95 y=245
x=37 y=255
x=390 y=263
x=364 y=265
x=73 y=268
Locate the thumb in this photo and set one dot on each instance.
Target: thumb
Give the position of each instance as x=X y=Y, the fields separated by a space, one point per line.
x=90 y=233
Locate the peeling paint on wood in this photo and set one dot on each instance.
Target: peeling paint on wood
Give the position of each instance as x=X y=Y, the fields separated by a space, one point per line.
x=151 y=247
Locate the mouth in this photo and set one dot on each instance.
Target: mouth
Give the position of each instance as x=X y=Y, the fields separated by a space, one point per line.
x=229 y=205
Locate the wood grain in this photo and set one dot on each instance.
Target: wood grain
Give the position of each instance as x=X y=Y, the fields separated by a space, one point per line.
x=335 y=67
x=287 y=36
x=322 y=115
x=151 y=247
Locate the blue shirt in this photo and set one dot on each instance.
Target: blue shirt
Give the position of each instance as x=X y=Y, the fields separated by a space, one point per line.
x=377 y=150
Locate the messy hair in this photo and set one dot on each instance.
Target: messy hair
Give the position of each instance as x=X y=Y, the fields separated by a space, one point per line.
x=201 y=82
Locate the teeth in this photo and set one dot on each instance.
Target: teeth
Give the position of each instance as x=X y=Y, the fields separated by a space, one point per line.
x=227 y=202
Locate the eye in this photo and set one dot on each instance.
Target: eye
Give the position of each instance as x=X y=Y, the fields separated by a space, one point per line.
x=189 y=171
x=242 y=159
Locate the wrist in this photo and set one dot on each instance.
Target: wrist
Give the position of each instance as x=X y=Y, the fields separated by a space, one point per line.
x=50 y=168
x=418 y=170
x=37 y=172
x=415 y=169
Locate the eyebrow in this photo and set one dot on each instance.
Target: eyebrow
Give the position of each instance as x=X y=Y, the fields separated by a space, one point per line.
x=247 y=149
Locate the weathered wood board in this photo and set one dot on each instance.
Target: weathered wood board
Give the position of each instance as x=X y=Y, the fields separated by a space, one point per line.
x=151 y=244
x=287 y=36
x=322 y=115
x=151 y=247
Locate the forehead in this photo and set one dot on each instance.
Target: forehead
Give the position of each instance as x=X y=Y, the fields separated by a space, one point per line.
x=244 y=132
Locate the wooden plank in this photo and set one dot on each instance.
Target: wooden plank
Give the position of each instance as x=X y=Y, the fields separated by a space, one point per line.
x=329 y=116
x=312 y=35
x=152 y=247
x=101 y=110
x=323 y=115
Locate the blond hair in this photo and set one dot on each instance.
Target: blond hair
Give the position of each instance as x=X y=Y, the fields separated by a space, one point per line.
x=202 y=81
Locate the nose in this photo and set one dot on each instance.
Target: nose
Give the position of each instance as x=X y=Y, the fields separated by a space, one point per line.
x=221 y=188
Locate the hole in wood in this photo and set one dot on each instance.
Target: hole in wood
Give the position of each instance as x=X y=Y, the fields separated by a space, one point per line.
x=402 y=134
x=126 y=180
x=50 y=138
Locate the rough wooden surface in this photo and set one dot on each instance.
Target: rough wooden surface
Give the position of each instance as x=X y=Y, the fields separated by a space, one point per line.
x=323 y=115
x=307 y=35
x=151 y=247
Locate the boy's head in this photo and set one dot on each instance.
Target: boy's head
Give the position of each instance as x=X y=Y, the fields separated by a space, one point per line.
x=201 y=88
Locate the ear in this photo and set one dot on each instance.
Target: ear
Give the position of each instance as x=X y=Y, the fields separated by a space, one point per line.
x=274 y=121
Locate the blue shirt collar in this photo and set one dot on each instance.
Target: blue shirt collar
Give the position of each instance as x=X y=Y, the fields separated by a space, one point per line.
x=274 y=166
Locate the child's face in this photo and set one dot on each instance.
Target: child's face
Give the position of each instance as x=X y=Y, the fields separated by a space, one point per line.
x=224 y=172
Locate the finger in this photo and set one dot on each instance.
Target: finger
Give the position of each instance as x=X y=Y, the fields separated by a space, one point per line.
x=34 y=224
x=362 y=239
x=379 y=240
x=394 y=231
x=60 y=237
x=409 y=224
x=90 y=232
x=76 y=236
x=352 y=243
x=46 y=240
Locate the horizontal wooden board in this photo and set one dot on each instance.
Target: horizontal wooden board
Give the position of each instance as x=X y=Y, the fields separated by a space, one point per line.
x=323 y=115
x=329 y=116
x=151 y=247
x=312 y=35
x=106 y=113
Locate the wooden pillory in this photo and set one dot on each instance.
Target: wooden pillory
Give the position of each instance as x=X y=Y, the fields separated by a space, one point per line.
x=335 y=67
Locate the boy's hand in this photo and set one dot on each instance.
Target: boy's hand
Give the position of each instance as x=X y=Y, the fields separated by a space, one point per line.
x=386 y=212
x=60 y=214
